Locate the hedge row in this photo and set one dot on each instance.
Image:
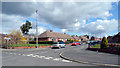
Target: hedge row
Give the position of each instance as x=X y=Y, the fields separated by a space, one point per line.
x=42 y=42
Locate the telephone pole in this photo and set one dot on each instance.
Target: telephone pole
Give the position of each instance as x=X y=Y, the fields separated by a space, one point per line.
x=37 y=28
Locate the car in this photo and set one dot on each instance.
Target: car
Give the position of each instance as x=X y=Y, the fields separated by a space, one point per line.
x=75 y=43
x=80 y=42
x=59 y=45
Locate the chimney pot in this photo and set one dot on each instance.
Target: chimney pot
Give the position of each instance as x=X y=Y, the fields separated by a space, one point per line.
x=51 y=30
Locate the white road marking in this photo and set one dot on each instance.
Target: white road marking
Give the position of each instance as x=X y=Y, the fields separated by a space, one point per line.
x=44 y=57
x=50 y=57
x=35 y=56
x=65 y=60
x=41 y=56
x=30 y=55
x=57 y=59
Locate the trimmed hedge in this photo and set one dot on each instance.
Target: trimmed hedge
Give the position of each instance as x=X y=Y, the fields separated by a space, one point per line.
x=41 y=42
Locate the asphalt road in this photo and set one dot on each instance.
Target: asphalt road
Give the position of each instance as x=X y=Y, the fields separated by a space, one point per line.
x=38 y=57
x=80 y=54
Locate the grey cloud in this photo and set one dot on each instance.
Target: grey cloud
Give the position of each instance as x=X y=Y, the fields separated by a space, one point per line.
x=61 y=15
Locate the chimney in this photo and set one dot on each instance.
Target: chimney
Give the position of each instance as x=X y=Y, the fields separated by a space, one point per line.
x=51 y=30
x=64 y=33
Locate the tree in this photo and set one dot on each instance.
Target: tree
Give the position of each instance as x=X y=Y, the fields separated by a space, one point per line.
x=25 y=28
x=87 y=36
x=16 y=37
x=104 y=43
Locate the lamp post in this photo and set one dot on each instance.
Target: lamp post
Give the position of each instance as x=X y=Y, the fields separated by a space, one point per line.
x=37 y=28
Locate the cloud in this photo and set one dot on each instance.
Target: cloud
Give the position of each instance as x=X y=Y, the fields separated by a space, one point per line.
x=62 y=15
x=100 y=27
x=64 y=30
x=40 y=30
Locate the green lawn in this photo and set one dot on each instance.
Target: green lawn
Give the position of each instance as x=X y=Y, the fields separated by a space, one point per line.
x=25 y=45
x=96 y=46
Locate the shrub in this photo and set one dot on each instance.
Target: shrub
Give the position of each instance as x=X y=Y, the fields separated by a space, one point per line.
x=42 y=42
x=104 y=43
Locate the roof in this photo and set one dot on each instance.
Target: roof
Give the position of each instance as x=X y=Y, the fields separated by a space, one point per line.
x=4 y=35
x=54 y=35
x=84 y=38
x=75 y=37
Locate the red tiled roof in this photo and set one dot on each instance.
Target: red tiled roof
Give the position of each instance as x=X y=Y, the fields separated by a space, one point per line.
x=75 y=37
x=54 y=35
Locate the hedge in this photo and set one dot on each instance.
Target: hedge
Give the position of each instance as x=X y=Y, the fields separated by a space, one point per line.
x=41 y=42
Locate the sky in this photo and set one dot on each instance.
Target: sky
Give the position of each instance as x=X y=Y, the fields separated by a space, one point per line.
x=73 y=18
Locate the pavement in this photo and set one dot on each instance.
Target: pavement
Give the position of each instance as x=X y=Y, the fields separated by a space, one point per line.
x=81 y=55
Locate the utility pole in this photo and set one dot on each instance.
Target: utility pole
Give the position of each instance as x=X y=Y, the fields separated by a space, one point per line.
x=37 y=28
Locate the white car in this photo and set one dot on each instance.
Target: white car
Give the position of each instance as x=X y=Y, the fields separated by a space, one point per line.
x=58 y=45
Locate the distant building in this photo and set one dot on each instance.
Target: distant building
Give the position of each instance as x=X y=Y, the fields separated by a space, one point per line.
x=53 y=36
x=2 y=40
x=114 y=39
x=76 y=38
x=95 y=38
x=83 y=38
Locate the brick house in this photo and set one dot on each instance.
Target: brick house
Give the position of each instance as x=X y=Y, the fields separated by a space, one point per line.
x=76 y=38
x=114 y=39
x=83 y=38
x=53 y=36
x=2 y=40
x=95 y=38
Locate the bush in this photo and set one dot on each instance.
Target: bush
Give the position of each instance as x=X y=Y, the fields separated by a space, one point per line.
x=104 y=43
x=42 y=42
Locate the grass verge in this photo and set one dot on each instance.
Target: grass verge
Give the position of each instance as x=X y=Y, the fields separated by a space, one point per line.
x=26 y=45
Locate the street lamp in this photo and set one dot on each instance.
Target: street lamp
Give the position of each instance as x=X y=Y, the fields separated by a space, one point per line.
x=37 y=28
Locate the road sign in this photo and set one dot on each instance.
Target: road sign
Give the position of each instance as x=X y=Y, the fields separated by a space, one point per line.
x=7 y=41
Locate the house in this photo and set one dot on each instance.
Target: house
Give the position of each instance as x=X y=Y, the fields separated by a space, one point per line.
x=76 y=38
x=95 y=38
x=2 y=40
x=53 y=36
x=114 y=39
x=83 y=38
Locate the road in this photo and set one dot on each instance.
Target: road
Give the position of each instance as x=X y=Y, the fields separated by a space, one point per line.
x=38 y=57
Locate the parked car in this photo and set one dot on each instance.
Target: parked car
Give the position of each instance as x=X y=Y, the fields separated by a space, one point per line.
x=58 y=45
x=80 y=42
x=94 y=42
x=75 y=43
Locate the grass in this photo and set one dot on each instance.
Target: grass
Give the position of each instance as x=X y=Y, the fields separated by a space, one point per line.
x=96 y=46
x=25 y=45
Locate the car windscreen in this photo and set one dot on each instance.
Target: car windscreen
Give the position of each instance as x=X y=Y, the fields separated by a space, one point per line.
x=60 y=42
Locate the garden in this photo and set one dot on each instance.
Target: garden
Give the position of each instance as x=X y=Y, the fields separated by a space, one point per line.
x=104 y=46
